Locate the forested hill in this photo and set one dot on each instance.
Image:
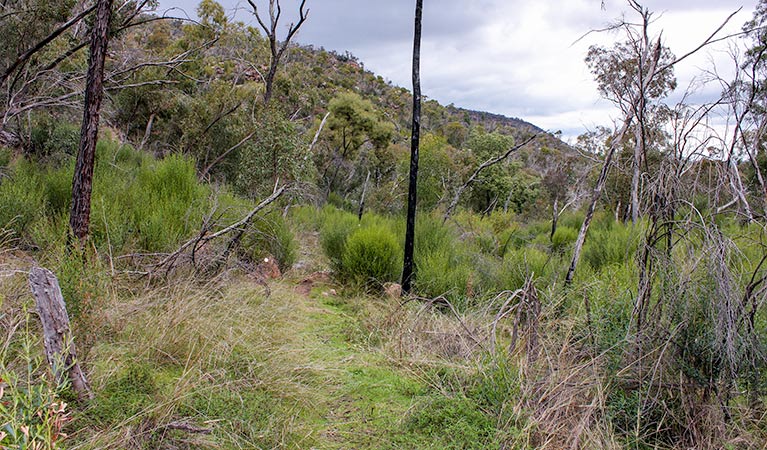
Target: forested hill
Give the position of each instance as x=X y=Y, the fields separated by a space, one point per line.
x=346 y=71
x=199 y=89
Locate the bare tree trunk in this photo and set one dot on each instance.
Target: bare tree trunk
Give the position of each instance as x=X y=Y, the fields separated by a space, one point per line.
x=147 y=131
x=407 y=272
x=636 y=172
x=554 y=217
x=362 y=198
x=277 y=49
x=596 y=195
x=57 y=335
x=79 y=219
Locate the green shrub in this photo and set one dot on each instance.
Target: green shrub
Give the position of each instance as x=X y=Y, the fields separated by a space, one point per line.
x=54 y=140
x=441 y=272
x=518 y=265
x=611 y=245
x=21 y=199
x=336 y=227
x=372 y=254
x=57 y=188
x=563 y=238
x=270 y=235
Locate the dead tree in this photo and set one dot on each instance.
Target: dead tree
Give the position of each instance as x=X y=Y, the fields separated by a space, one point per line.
x=277 y=49
x=489 y=163
x=407 y=272
x=655 y=67
x=82 y=184
x=57 y=335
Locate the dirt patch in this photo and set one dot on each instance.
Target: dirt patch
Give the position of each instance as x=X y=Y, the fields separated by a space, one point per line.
x=305 y=286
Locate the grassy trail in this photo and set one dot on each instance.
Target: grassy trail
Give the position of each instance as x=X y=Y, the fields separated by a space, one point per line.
x=353 y=397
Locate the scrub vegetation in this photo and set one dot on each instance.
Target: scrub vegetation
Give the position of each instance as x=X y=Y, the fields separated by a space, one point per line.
x=238 y=287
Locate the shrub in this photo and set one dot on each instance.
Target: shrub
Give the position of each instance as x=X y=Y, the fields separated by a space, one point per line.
x=519 y=264
x=372 y=254
x=55 y=140
x=563 y=239
x=440 y=272
x=336 y=227
x=611 y=245
x=21 y=199
x=270 y=235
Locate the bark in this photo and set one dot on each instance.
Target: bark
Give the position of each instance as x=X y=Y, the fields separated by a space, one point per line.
x=276 y=49
x=79 y=219
x=554 y=218
x=362 y=198
x=407 y=272
x=57 y=335
x=596 y=195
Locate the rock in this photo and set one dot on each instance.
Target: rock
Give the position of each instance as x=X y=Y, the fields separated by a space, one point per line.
x=393 y=290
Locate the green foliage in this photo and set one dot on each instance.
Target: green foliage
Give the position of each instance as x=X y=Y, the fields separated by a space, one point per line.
x=270 y=236
x=352 y=123
x=563 y=238
x=270 y=155
x=520 y=264
x=32 y=413
x=21 y=199
x=125 y=395
x=613 y=243
x=54 y=140
x=443 y=272
x=336 y=227
x=455 y=422
x=372 y=254
x=120 y=214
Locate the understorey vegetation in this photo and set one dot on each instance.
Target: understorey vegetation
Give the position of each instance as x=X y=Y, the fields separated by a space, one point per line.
x=239 y=284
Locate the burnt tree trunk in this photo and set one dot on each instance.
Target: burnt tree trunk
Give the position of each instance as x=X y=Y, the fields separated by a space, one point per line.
x=407 y=272
x=57 y=335
x=82 y=184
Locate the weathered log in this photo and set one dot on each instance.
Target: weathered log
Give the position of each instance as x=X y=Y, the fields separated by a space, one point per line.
x=57 y=335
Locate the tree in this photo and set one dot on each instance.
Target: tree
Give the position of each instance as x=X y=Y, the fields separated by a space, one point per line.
x=407 y=272
x=623 y=77
x=276 y=49
x=653 y=66
x=79 y=218
x=353 y=124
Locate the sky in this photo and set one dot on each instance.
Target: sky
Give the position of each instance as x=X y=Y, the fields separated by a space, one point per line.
x=521 y=59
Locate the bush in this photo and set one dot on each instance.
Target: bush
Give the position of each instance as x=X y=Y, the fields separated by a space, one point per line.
x=53 y=140
x=608 y=245
x=270 y=235
x=372 y=254
x=563 y=238
x=519 y=264
x=336 y=227
x=21 y=199
x=440 y=272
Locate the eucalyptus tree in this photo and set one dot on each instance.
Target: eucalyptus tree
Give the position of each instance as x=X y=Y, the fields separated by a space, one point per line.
x=626 y=75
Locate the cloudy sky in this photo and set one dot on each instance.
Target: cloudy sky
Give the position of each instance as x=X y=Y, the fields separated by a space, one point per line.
x=518 y=58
